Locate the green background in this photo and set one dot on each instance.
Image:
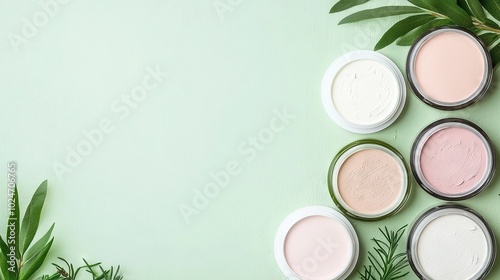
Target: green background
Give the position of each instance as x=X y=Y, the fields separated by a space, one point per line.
x=229 y=70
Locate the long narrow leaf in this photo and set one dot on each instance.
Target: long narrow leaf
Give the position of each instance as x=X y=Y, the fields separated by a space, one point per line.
x=412 y=36
x=489 y=38
x=474 y=8
x=426 y=4
x=401 y=28
x=29 y=268
x=495 y=54
x=38 y=246
x=381 y=12
x=4 y=273
x=346 y=4
x=32 y=217
x=491 y=23
x=450 y=9
x=493 y=7
x=3 y=247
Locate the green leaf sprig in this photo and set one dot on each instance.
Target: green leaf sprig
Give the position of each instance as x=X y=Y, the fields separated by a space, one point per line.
x=27 y=257
x=423 y=15
x=385 y=262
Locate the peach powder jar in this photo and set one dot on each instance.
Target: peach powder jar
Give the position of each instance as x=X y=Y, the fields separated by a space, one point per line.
x=449 y=68
x=368 y=180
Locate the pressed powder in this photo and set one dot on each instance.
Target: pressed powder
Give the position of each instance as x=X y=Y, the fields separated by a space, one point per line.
x=452 y=159
x=449 y=68
x=316 y=243
x=451 y=242
x=368 y=180
x=363 y=91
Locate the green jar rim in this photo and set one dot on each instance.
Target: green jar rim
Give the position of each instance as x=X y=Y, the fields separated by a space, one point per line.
x=384 y=146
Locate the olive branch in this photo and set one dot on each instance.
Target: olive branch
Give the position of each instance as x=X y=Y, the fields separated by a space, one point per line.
x=478 y=16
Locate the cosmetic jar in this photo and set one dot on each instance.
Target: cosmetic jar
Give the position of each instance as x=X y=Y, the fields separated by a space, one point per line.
x=449 y=68
x=451 y=242
x=363 y=91
x=316 y=243
x=369 y=180
x=453 y=159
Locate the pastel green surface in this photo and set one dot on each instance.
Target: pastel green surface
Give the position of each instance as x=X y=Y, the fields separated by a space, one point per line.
x=234 y=66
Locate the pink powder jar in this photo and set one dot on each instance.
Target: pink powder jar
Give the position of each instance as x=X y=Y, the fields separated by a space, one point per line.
x=449 y=68
x=453 y=159
x=316 y=243
x=369 y=180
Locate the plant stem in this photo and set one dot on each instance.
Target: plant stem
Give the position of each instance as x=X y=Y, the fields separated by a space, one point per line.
x=483 y=26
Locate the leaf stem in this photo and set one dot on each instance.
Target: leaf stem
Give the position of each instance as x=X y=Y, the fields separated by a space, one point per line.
x=483 y=26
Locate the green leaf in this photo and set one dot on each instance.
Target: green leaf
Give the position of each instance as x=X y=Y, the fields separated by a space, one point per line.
x=450 y=9
x=423 y=4
x=38 y=246
x=401 y=28
x=489 y=38
x=4 y=273
x=493 y=7
x=491 y=24
x=474 y=8
x=346 y=4
x=381 y=12
x=410 y=37
x=3 y=247
x=32 y=217
x=29 y=268
x=495 y=54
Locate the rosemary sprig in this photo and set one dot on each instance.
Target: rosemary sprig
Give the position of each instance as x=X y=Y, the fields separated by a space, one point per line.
x=70 y=273
x=423 y=15
x=385 y=262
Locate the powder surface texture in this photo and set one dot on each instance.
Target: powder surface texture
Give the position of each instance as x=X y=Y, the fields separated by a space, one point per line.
x=365 y=92
x=449 y=67
x=452 y=247
x=319 y=248
x=453 y=160
x=370 y=181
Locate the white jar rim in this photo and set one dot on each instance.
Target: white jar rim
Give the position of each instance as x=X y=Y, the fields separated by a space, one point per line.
x=300 y=214
x=328 y=81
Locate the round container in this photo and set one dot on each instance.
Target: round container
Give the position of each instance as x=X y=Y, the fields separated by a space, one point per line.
x=363 y=91
x=449 y=68
x=451 y=242
x=316 y=243
x=453 y=159
x=368 y=180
